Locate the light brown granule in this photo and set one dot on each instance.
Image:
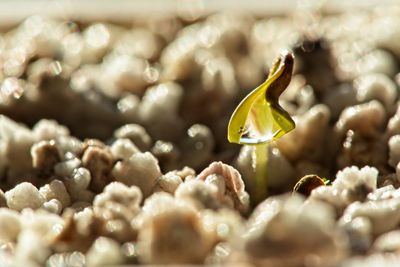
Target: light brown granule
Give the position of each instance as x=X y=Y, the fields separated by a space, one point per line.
x=45 y=155
x=78 y=233
x=224 y=224
x=99 y=162
x=285 y=231
x=174 y=236
x=119 y=200
x=116 y=206
x=233 y=181
x=200 y=194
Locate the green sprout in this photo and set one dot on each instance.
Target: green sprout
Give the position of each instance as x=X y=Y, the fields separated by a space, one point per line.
x=326 y=181
x=259 y=119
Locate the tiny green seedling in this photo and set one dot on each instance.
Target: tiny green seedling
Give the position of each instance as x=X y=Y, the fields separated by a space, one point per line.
x=259 y=119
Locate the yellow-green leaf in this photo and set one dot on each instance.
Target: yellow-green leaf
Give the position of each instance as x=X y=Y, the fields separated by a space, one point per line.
x=259 y=118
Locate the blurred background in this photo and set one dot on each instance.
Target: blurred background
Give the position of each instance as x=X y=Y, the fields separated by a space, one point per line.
x=14 y=11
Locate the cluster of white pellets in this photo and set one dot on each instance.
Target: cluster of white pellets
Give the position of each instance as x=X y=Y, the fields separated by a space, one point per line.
x=113 y=145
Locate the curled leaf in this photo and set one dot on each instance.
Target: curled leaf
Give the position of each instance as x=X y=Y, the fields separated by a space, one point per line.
x=259 y=118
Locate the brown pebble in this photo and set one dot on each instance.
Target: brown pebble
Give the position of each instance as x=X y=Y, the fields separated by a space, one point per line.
x=45 y=155
x=99 y=162
x=307 y=184
x=72 y=238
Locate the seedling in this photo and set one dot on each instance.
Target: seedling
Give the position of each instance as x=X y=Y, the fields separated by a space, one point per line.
x=259 y=119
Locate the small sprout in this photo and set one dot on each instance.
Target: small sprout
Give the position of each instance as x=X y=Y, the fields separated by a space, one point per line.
x=326 y=180
x=259 y=119
x=308 y=183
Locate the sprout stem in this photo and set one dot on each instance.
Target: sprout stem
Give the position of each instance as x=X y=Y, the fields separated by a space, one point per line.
x=261 y=159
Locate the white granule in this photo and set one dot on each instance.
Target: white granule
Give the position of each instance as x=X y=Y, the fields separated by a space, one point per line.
x=168 y=182
x=49 y=129
x=393 y=126
x=53 y=206
x=349 y=177
x=56 y=190
x=24 y=195
x=137 y=134
x=32 y=246
x=66 y=259
x=123 y=148
x=42 y=222
x=382 y=193
x=10 y=225
x=365 y=118
x=81 y=178
x=104 y=252
x=376 y=86
x=383 y=214
x=218 y=181
x=141 y=170
x=388 y=242
x=69 y=144
x=66 y=168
